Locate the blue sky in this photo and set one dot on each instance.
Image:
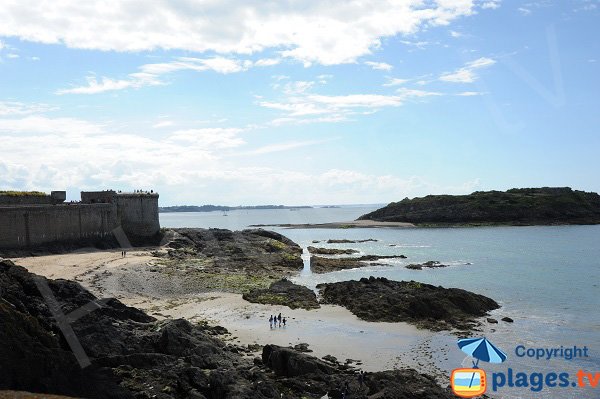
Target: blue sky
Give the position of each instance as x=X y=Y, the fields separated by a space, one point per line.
x=313 y=102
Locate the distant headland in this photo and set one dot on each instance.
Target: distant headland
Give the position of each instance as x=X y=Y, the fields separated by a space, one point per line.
x=517 y=206
x=222 y=208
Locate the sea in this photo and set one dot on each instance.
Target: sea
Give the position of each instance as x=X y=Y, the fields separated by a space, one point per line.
x=546 y=278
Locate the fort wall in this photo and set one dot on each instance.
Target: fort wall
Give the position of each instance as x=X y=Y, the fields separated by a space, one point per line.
x=34 y=220
x=30 y=226
x=138 y=213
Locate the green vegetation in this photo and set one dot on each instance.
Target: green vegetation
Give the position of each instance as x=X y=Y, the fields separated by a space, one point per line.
x=277 y=245
x=524 y=206
x=23 y=193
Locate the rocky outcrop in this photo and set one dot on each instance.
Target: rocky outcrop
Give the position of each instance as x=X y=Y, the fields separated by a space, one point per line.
x=196 y=261
x=430 y=264
x=293 y=369
x=319 y=264
x=134 y=356
x=331 y=251
x=284 y=292
x=526 y=206
x=256 y=250
x=346 y=241
x=427 y=306
x=291 y=363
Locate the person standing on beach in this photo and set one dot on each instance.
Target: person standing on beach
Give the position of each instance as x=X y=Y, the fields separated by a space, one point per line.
x=283 y=322
x=279 y=319
x=361 y=379
x=271 y=321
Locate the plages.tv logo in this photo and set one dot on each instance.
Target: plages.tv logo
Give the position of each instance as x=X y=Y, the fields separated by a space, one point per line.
x=470 y=382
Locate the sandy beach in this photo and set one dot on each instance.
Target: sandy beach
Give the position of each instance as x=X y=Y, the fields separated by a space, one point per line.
x=330 y=330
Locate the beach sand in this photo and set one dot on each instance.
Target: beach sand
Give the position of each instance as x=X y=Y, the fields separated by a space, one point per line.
x=330 y=330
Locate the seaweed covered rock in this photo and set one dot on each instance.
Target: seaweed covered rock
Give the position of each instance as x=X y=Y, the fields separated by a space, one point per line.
x=248 y=251
x=284 y=292
x=320 y=264
x=331 y=251
x=428 y=306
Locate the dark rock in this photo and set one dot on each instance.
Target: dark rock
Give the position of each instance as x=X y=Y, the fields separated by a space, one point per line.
x=330 y=359
x=134 y=356
x=507 y=319
x=332 y=251
x=255 y=251
x=429 y=264
x=319 y=264
x=289 y=363
x=284 y=292
x=302 y=347
x=380 y=299
x=492 y=321
x=345 y=241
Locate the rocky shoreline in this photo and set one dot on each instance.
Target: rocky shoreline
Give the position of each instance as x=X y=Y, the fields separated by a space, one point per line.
x=132 y=355
x=424 y=305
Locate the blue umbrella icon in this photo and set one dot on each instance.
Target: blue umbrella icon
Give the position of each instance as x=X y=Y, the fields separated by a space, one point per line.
x=481 y=349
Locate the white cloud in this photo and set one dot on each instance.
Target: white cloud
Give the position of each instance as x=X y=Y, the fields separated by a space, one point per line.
x=95 y=86
x=312 y=108
x=162 y=124
x=467 y=73
x=395 y=82
x=469 y=93
x=418 y=44
x=264 y=62
x=524 y=11
x=278 y=147
x=297 y=87
x=208 y=138
x=34 y=124
x=12 y=55
x=150 y=74
x=455 y=34
x=382 y=66
x=328 y=33
x=9 y=108
x=490 y=4
x=187 y=166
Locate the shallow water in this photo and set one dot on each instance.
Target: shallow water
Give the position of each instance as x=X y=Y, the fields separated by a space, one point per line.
x=547 y=278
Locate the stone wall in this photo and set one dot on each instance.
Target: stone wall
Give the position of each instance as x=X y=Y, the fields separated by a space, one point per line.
x=30 y=226
x=138 y=213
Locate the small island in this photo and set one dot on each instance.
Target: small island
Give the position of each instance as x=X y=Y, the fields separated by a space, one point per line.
x=517 y=206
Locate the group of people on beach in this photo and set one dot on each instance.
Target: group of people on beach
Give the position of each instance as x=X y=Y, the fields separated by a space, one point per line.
x=123 y=254
x=277 y=320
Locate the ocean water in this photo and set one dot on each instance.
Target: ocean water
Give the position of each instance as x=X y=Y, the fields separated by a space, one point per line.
x=547 y=278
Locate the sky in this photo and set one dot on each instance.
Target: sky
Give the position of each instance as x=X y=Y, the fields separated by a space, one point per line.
x=246 y=102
